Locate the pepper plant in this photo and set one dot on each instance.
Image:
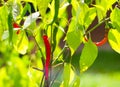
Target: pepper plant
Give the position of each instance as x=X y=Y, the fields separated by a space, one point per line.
x=39 y=39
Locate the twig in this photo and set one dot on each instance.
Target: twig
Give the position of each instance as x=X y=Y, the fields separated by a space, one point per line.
x=37 y=69
x=97 y=26
x=64 y=48
x=42 y=80
x=62 y=64
x=42 y=58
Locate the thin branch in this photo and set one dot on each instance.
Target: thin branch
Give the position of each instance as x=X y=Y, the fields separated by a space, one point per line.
x=97 y=26
x=42 y=58
x=42 y=80
x=54 y=66
x=62 y=64
x=56 y=75
x=38 y=69
x=64 y=48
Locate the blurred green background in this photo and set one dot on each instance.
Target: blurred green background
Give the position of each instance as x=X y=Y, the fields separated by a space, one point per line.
x=105 y=72
x=16 y=70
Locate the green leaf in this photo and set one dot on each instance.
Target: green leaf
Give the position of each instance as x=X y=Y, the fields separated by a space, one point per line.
x=1 y=32
x=115 y=18
x=88 y=55
x=74 y=36
x=3 y=20
x=25 y=9
x=69 y=1
x=76 y=82
x=100 y=12
x=74 y=40
x=30 y=19
x=66 y=73
x=10 y=26
x=20 y=42
x=16 y=10
x=54 y=38
x=42 y=6
x=88 y=1
x=102 y=7
x=79 y=10
x=81 y=13
x=56 y=9
x=75 y=62
x=32 y=1
x=74 y=79
x=114 y=40
x=89 y=17
x=75 y=7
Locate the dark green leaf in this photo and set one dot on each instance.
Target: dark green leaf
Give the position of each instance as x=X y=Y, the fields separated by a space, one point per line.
x=69 y=1
x=10 y=26
x=25 y=9
x=54 y=38
x=56 y=9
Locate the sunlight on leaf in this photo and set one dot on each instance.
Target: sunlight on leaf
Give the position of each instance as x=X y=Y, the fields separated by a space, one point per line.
x=30 y=19
x=3 y=17
x=114 y=40
x=42 y=6
x=74 y=79
x=16 y=10
x=102 y=6
x=66 y=72
x=20 y=42
x=115 y=18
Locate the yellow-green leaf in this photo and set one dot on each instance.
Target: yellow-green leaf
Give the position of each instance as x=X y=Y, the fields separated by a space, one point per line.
x=114 y=39
x=20 y=42
x=66 y=72
x=74 y=36
x=42 y=6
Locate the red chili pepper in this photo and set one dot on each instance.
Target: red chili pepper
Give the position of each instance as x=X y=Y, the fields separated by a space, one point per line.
x=48 y=52
x=103 y=41
x=100 y=43
x=15 y=25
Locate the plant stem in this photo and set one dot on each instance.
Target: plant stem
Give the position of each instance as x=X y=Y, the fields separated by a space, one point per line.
x=37 y=69
x=42 y=80
x=42 y=58
x=56 y=74
x=106 y=19
x=64 y=48
x=62 y=64
x=50 y=67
